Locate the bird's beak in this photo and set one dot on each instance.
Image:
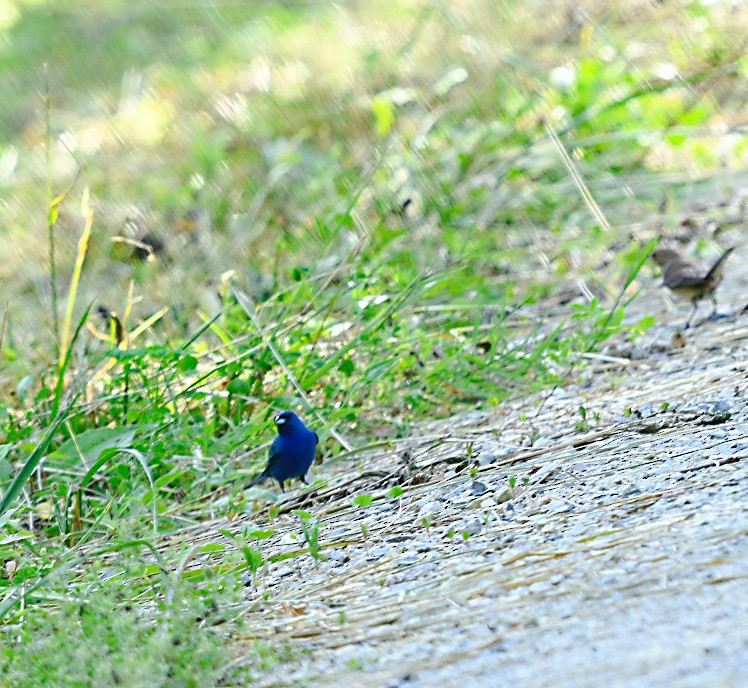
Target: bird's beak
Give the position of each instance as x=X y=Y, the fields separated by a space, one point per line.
x=280 y=421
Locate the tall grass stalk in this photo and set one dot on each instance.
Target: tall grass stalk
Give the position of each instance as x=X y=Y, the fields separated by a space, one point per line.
x=52 y=204
x=87 y=210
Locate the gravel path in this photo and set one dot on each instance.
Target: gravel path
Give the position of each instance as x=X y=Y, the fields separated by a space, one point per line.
x=619 y=557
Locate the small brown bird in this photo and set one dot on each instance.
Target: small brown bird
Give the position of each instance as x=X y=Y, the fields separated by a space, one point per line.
x=147 y=247
x=687 y=280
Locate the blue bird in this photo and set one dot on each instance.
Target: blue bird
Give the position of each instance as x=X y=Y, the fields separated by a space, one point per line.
x=291 y=453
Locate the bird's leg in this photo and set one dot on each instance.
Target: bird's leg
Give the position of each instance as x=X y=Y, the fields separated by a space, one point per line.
x=303 y=479
x=713 y=314
x=693 y=312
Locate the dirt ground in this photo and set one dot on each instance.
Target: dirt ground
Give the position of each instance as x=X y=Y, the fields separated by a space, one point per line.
x=619 y=557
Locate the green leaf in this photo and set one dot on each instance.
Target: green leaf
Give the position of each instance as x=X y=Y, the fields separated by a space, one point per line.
x=383 y=110
x=6 y=470
x=91 y=443
x=261 y=534
x=644 y=324
x=395 y=492
x=347 y=367
x=363 y=500
x=187 y=363
x=304 y=515
x=239 y=386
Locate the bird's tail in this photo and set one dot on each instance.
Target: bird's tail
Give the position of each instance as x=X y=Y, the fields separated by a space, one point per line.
x=257 y=480
x=715 y=272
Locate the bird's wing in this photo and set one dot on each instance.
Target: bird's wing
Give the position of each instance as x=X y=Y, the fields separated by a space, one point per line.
x=274 y=453
x=316 y=437
x=681 y=274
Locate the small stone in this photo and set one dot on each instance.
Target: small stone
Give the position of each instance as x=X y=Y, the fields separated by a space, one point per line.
x=473 y=527
x=478 y=488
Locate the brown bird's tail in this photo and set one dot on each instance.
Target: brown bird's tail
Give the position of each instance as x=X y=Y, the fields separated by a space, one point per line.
x=715 y=272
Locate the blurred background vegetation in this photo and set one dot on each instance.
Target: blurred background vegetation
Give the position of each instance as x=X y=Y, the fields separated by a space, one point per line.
x=374 y=212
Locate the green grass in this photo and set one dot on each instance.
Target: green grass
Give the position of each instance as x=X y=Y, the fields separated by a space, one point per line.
x=113 y=633
x=384 y=206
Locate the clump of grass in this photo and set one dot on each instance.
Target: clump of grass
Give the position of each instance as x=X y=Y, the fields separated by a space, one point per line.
x=310 y=528
x=106 y=635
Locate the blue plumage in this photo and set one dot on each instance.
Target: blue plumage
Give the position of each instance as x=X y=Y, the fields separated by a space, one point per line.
x=292 y=452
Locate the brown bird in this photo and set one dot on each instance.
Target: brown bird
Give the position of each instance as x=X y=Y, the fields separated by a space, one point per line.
x=687 y=280
x=147 y=247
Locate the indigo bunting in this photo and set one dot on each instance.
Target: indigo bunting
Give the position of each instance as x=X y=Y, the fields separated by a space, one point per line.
x=687 y=280
x=291 y=453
